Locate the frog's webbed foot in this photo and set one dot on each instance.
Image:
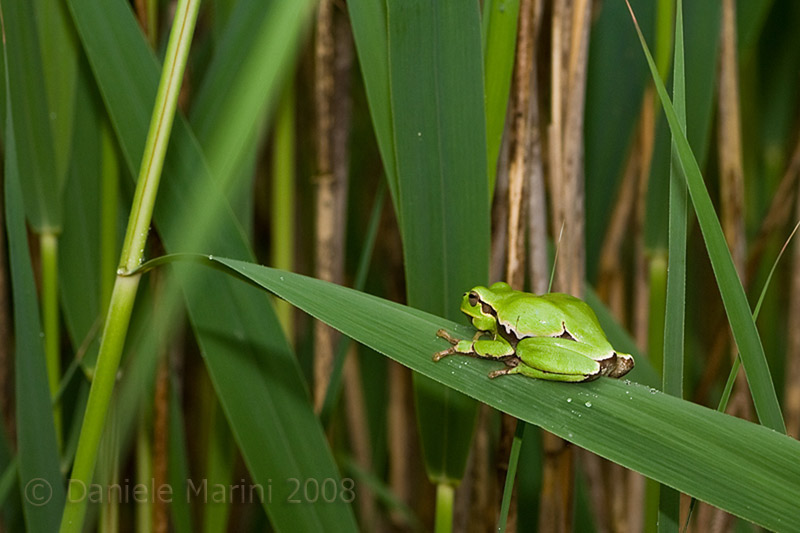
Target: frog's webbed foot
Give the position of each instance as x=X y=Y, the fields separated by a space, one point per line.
x=446 y=336
x=438 y=356
x=511 y=365
x=451 y=350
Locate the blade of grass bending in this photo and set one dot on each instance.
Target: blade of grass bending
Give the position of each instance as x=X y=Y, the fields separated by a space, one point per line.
x=733 y=296
x=726 y=393
x=675 y=312
x=125 y=288
x=334 y=386
x=691 y=448
x=40 y=481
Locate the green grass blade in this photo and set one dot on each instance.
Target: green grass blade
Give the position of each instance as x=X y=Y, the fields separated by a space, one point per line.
x=40 y=481
x=250 y=363
x=691 y=448
x=370 y=34
x=733 y=296
x=675 y=312
x=436 y=80
x=499 y=32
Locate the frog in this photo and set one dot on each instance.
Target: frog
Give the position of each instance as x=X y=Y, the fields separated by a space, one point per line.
x=552 y=336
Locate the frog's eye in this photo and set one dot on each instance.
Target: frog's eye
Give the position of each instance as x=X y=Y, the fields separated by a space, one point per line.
x=473 y=299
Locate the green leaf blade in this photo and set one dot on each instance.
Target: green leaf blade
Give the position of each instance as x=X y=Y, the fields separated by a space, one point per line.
x=436 y=84
x=696 y=450
x=733 y=296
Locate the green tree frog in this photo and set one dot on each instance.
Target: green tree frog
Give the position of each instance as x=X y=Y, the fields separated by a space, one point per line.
x=553 y=336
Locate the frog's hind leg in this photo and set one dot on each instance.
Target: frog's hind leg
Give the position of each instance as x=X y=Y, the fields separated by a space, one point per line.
x=531 y=372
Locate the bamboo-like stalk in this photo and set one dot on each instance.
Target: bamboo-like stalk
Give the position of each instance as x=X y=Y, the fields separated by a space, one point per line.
x=125 y=286
x=333 y=56
x=161 y=443
x=538 y=263
x=570 y=42
x=48 y=246
x=400 y=418
x=108 y=472
x=515 y=256
x=732 y=208
x=144 y=468
x=444 y=508
x=283 y=199
x=356 y=412
x=732 y=174
x=6 y=408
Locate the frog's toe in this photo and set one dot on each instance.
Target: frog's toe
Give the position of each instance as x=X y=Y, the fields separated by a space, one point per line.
x=438 y=356
x=446 y=336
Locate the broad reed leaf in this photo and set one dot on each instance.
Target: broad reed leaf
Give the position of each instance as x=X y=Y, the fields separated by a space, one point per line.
x=255 y=375
x=370 y=33
x=741 y=467
x=25 y=86
x=40 y=480
x=733 y=296
x=436 y=84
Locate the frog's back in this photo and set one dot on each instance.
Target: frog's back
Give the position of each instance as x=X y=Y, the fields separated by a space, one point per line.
x=528 y=315
x=548 y=315
x=583 y=323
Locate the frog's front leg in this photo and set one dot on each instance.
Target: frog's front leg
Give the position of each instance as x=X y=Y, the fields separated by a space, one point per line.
x=498 y=348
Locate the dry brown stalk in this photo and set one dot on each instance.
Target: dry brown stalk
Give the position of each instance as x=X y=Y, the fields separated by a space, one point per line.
x=6 y=370
x=515 y=271
x=565 y=136
x=400 y=439
x=538 y=264
x=333 y=57
x=515 y=257
x=356 y=413
x=732 y=208
x=161 y=444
